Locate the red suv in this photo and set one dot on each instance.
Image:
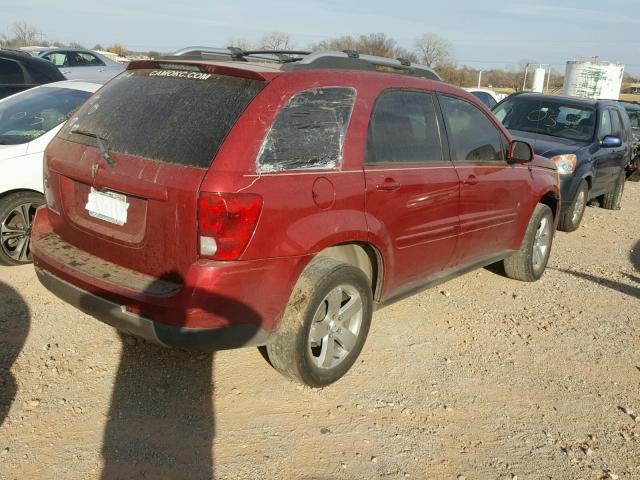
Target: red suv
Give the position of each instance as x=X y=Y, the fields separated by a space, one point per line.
x=219 y=204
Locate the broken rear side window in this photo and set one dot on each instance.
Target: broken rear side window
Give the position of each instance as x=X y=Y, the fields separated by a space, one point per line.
x=309 y=131
x=174 y=116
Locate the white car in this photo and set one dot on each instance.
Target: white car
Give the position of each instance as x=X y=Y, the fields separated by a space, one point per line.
x=486 y=96
x=28 y=122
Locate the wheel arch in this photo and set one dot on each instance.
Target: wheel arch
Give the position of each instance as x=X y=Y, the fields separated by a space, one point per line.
x=19 y=190
x=362 y=255
x=552 y=200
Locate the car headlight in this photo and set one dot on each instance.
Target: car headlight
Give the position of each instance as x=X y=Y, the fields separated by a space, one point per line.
x=566 y=164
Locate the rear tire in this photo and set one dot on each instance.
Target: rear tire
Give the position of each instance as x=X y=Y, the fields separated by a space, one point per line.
x=325 y=324
x=16 y=216
x=612 y=200
x=570 y=218
x=528 y=263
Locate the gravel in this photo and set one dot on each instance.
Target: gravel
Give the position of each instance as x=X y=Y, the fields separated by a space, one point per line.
x=481 y=378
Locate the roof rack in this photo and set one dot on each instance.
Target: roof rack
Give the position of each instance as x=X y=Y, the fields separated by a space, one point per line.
x=235 y=53
x=352 y=60
x=303 y=60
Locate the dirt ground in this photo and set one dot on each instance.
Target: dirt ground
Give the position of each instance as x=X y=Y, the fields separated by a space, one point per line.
x=481 y=378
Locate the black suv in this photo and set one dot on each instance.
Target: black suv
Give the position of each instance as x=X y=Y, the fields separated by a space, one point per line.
x=20 y=71
x=633 y=110
x=589 y=140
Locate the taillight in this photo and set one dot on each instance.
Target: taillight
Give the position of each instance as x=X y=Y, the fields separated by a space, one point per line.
x=49 y=191
x=226 y=222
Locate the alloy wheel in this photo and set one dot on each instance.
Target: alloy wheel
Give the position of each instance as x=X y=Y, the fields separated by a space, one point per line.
x=579 y=206
x=541 y=244
x=335 y=327
x=15 y=232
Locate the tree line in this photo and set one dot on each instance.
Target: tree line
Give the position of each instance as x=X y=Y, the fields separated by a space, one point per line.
x=428 y=49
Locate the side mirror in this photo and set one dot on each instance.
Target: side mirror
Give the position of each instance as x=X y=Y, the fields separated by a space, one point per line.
x=611 y=141
x=520 y=152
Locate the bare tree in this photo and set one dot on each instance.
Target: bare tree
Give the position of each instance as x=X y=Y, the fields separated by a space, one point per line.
x=76 y=45
x=518 y=71
x=346 y=42
x=405 y=54
x=372 y=44
x=118 y=49
x=24 y=34
x=276 y=41
x=433 y=50
x=376 y=44
x=97 y=46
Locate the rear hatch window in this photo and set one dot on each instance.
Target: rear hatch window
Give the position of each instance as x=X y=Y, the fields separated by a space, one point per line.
x=176 y=116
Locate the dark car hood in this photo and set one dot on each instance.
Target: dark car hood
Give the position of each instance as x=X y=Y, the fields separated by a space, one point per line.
x=547 y=145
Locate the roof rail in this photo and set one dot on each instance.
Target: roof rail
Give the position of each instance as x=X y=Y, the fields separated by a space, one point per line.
x=235 y=53
x=352 y=60
x=303 y=60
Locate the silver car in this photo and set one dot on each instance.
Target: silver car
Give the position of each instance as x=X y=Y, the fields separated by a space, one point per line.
x=78 y=64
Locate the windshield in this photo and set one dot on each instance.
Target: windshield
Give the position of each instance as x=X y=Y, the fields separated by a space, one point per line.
x=175 y=116
x=548 y=117
x=31 y=114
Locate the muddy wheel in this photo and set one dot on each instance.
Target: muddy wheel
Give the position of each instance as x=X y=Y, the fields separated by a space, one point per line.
x=570 y=218
x=528 y=263
x=325 y=324
x=612 y=200
x=16 y=215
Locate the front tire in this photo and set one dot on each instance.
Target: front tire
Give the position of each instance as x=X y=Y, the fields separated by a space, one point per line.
x=613 y=199
x=528 y=263
x=570 y=218
x=16 y=216
x=325 y=324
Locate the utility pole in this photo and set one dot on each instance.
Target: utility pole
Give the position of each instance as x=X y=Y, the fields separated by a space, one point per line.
x=526 y=70
x=479 y=78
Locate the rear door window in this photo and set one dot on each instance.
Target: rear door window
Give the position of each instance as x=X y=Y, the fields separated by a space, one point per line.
x=472 y=136
x=634 y=118
x=309 y=131
x=11 y=73
x=59 y=59
x=82 y=59
x=404 y=129
x=175 y=116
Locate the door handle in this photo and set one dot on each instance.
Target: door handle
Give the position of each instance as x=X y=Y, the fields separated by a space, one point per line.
x=389 y=184
x=471 y=180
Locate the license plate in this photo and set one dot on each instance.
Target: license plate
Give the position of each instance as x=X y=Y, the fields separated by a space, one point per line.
x=108 y=206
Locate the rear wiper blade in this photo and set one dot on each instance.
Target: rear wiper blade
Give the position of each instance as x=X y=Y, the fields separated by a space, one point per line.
x=101 y=146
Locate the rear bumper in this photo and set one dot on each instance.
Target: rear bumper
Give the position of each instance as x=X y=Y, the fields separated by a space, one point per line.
x=202 y=339
x=216 y=305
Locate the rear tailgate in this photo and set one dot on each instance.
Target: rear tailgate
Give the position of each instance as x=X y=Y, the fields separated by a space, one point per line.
x=125 y=171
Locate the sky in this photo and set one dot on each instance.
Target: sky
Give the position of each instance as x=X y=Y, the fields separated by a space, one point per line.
x=486 y=34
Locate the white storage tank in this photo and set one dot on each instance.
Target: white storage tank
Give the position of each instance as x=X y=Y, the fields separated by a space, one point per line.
x=593 y=79
x=538 y=80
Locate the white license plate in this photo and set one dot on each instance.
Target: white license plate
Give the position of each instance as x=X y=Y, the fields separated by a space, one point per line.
x=108 y=206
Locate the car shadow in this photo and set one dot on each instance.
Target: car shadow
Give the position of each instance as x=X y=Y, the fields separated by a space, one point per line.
x=161 y=421
x=631 y=290
x=14 y=328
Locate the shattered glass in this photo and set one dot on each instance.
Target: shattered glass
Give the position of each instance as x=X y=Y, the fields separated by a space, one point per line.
x=308 y=132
